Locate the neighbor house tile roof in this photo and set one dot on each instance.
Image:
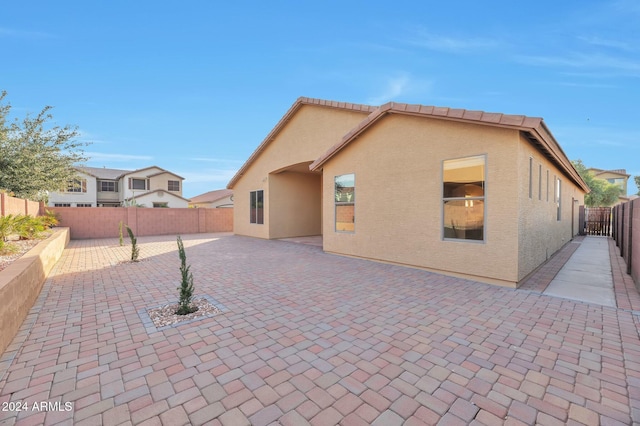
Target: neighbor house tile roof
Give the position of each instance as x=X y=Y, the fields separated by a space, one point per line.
x=212 y=196
x=156 y=191
x=115 y=174
x=621 y=172
x=285 y=119
x=102 y=172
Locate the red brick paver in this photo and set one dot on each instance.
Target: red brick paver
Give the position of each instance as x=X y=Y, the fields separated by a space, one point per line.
x=313 y=338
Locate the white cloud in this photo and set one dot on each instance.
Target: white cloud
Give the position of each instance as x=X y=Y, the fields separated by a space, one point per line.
x=93 y=156
x=215 y=160
x=422 y=38
x=586 y=62
x=8 y=32
x=219 y=176
x=401 y=85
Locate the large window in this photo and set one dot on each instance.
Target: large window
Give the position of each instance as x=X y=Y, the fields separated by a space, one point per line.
x=256 y=207
x=107 y=186
x=77 y=185
x=463 y=198
x=174 y=185
x=345 y=199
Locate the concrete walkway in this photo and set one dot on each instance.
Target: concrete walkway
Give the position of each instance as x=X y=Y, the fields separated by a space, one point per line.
x=587 y=275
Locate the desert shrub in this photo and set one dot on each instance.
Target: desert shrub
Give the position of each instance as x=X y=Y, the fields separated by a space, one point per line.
x=135 y=250
x=50 y=219
x=7 y=225
x=28 y=227
x=186 y=287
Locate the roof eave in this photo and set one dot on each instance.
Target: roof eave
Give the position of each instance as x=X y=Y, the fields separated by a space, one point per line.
x=283 y=122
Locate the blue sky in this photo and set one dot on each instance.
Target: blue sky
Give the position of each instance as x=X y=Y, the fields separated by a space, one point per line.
x=195 y=86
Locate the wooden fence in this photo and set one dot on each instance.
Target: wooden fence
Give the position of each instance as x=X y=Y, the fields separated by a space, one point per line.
x=597 y=221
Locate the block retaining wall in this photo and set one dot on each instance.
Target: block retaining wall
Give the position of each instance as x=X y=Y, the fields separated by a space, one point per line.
x=22 y=281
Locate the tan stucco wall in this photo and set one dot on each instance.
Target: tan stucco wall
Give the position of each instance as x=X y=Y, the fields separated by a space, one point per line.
x=295 y=204
x=161 y=181
x=311 y=131
x=398 y=179
x=541 y=234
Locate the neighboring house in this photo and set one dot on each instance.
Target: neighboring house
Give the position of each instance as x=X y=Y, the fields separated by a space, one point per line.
x=220 y=198
x=481 y=195
x=102 y=187
x=617 y=176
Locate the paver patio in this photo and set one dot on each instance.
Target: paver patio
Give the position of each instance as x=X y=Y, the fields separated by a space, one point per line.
x=312 y=338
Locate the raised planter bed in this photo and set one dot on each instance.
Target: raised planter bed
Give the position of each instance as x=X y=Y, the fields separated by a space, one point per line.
x=22 y=281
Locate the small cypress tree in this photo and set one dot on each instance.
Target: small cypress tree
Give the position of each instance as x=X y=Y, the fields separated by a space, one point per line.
x=135 y=250
x=186 y=287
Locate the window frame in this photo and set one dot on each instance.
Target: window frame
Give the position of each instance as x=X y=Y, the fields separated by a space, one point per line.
x=467 y=199
x=132 y=185
x=255 y=217
x=339 y=203
x=76 y=186
x=101 y=185
x=175 y=183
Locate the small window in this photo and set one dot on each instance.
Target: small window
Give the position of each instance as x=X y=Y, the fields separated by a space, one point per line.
x=160 y=205
x=559 y=198
x=77 y=185
x=463 y=198
x=256 y=207
x=547 y=185
x=107 y=186
x=540 y=182
x=83 y=205
x=530 y=177
x=345 y=199
x=62 y=204
x=135 y=183
x=174 y=185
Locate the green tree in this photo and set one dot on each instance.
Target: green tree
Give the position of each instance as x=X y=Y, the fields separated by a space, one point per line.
x=637 y=179
x=35 y=156
x=602 y=192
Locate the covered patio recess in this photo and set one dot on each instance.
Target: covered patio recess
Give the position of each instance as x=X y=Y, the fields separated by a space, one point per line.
x=295 y=207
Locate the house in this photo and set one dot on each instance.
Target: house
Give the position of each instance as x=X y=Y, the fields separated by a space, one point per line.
x=480 y=195
x=618 y=177
x=221 y=198
x=102 y=187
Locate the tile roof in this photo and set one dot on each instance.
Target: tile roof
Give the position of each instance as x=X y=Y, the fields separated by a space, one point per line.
x=212 y=196
x=534 y=127
x=285 y=119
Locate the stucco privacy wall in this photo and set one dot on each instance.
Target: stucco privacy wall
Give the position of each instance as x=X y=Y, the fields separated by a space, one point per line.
x=541 y=233
x=626 y=219
x=104 y=222
x=15 y=206
x=311 y=131
x=398 y=186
